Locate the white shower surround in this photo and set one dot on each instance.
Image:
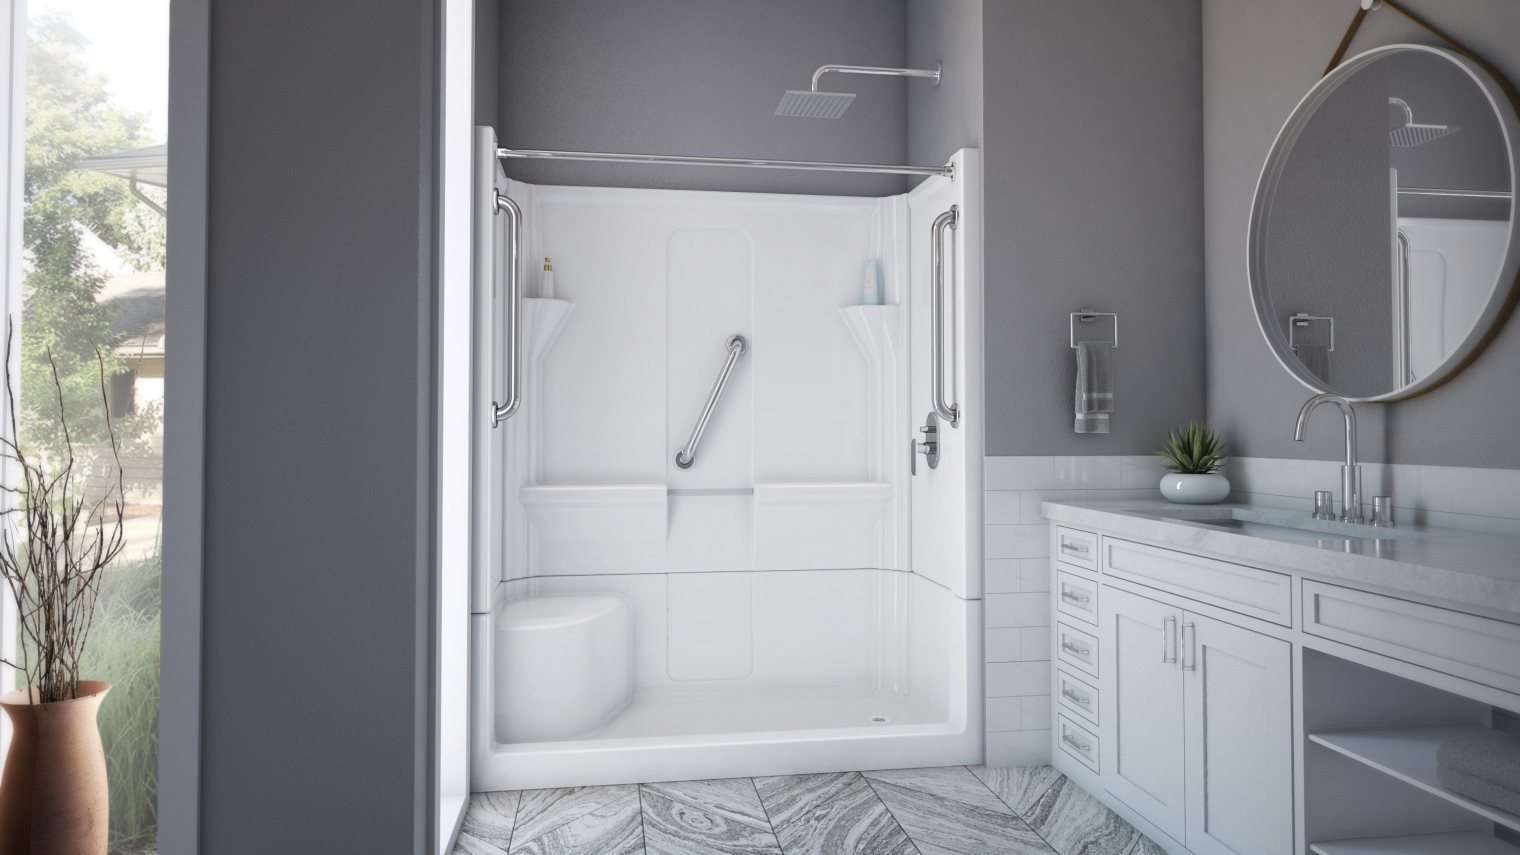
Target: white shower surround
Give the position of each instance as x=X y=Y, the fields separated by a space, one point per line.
x=776 y=608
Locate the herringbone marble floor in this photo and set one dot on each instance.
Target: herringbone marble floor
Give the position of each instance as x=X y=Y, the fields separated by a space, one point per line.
x=950 y=810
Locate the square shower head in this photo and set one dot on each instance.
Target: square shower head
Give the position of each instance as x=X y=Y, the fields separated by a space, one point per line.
x=814 y=105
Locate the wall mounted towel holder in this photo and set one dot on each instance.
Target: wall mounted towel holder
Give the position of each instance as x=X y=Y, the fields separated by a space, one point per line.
x=1087 y=316
x=1302 y=319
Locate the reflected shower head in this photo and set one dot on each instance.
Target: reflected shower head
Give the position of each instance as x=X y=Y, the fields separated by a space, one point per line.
x=1411 y=134
x=813 y=104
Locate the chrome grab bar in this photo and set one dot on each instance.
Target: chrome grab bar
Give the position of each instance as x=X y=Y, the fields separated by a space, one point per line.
x=948 y=412
x=502 y=412
x=688 y=455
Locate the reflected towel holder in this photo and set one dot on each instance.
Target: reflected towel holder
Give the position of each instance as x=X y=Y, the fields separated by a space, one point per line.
x=1302 y=319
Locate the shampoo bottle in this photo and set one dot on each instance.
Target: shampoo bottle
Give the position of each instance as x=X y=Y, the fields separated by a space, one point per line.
x=546 y=284
x=871 y=290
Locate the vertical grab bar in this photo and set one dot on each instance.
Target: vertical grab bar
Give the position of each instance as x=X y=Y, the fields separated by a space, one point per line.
x=948 y=412
x=502 y=412
x=688 y=455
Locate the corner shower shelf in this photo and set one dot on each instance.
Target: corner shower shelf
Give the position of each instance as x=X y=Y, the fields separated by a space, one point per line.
x=1409 y=754
x=1454 y=843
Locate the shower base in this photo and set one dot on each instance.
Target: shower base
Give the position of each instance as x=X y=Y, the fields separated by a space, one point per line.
x=753 y=726
x=736 y=712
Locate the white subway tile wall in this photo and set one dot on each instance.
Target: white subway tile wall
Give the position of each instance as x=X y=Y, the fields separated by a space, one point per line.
x=1018 y=574
x=1018 y=567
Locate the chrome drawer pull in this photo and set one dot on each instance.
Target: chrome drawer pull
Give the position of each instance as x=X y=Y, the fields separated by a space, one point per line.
x=1066 y=738
x=1080 y=651
x=1069 y=548
x=1189 y=655
x=1074 y=696
x=1168 y=640
x=1073 y=597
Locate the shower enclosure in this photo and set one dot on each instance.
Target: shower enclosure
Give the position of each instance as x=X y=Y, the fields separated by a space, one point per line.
x=797 y=592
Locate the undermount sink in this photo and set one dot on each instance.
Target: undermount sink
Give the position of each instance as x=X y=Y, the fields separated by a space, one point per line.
x=1277 y=525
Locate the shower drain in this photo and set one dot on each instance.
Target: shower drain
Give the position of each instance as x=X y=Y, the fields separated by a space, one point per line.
x=879 y=719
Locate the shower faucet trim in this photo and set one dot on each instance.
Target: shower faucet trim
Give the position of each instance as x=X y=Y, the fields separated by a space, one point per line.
x=1351 y=500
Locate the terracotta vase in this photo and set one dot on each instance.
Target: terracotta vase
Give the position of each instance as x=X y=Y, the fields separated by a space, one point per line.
x=53 y=797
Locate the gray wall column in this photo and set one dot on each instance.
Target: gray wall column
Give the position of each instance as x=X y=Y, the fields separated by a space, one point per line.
x=318 y=447
x=1093 y=189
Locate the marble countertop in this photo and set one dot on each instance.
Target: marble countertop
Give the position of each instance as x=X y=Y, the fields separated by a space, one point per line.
x=1464 y=567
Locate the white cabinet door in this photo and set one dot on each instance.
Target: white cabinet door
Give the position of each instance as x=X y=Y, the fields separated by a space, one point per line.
x=1142 y=696
x=1239 y=691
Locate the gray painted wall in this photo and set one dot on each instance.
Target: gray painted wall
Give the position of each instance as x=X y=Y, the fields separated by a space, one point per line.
x=317 y=530
x=1258 y=61
x=946 y=118
x=487 y=61
x=1093 y=194
x=695 y=77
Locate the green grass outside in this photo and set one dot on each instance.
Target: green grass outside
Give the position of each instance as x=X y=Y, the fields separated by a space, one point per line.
x=123 y=650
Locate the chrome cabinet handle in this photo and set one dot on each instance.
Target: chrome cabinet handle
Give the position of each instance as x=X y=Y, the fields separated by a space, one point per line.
x=949 y=412
x=1069 y=548
x=1073 y=597
x=1189 y=656
x=688 y=455
x=502 y=205
x=1066 y=738
x=1075 y=697
x=1168 y=640
x=1080 y=651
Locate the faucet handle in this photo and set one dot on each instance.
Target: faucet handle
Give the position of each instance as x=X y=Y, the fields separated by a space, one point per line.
x=1382 y=511
x=1324 y=505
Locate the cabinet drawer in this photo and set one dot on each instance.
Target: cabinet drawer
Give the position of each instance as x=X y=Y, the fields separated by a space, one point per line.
x=1077 y=548
x=1474 y=648
x=1076 y=695
x=1077 y=596
x=1250 y=591
x=1077 y=741
x=1077 y=649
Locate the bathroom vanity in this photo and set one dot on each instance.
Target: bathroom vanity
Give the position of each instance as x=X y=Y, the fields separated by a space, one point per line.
x=1234 y=679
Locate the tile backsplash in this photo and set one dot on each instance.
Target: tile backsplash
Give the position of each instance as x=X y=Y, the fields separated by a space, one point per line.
x=1448 y=496
x=1017 y=593
x=1018 y=571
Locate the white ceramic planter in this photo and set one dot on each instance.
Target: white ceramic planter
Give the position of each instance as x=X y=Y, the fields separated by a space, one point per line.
x=1194 y=489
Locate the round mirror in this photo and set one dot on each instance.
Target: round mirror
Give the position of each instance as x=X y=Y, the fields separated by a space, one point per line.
x=1383 y=234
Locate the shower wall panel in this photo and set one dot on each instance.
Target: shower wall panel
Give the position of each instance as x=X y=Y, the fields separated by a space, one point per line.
x=798 y=467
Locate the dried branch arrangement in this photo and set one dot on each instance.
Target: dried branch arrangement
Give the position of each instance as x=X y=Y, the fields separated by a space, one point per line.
x=54 y=546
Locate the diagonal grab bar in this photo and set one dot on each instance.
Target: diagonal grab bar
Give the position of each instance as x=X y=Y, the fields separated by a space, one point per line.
x=688 y=455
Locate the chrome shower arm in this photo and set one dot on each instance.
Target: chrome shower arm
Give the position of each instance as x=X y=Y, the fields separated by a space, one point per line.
x=871 y=69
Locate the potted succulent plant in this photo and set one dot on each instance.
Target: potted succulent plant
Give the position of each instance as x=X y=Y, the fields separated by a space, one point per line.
x=1196 y=455
x=62 y=527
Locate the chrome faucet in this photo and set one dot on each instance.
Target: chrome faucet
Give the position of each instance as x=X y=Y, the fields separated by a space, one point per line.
x=1351 y=499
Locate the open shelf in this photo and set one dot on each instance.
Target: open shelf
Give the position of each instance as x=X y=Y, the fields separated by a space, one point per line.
x=1456 y=843
x=1409 y=754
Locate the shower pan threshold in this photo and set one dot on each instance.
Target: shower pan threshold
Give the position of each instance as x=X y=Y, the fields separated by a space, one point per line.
x=669 y=737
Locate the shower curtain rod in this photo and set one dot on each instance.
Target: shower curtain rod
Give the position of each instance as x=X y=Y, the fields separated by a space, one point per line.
x=947 y=170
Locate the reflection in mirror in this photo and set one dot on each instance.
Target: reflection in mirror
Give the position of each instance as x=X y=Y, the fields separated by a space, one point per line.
x=1382 y=233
